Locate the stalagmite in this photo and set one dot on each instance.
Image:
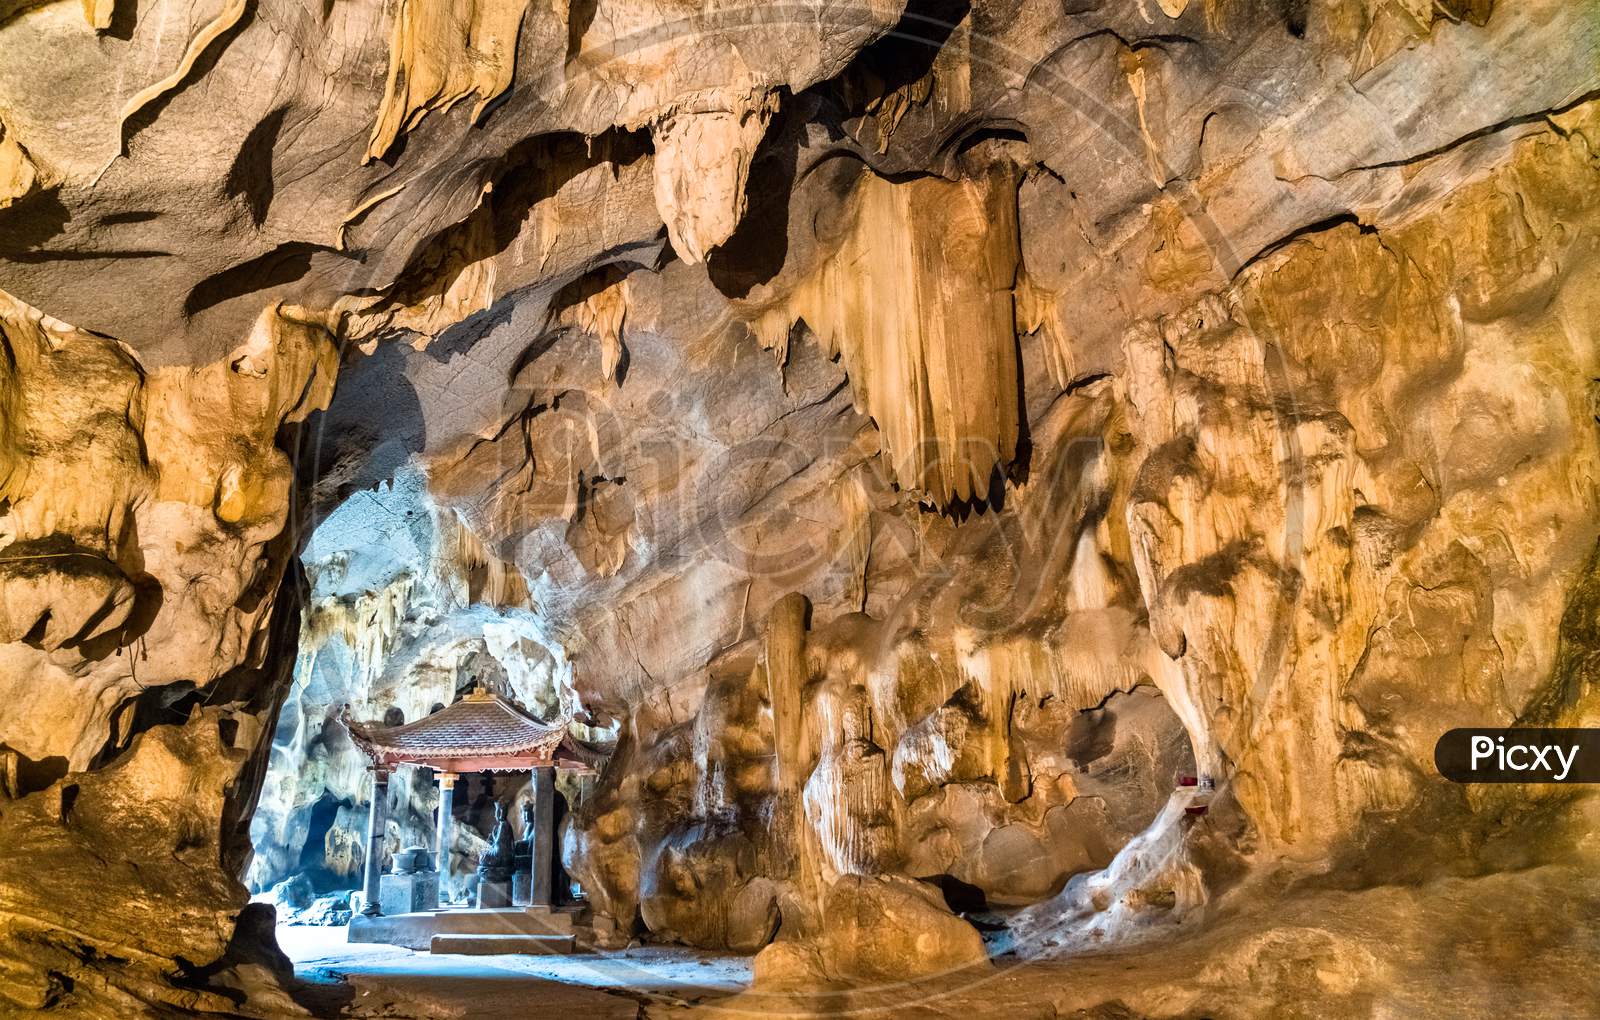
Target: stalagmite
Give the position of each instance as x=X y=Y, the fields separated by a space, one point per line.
x=787 y=675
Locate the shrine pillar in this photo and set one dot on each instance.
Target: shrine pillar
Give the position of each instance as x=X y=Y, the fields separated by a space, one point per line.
x=446 y=830
x=541 y=841
x=377 y=822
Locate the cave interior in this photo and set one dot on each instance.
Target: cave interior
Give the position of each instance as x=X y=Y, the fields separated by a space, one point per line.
x=871 y=508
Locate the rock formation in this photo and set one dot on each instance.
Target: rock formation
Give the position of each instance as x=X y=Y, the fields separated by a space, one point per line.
x=918 y=433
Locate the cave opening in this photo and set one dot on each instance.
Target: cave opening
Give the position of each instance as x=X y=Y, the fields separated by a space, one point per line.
x=312 y=859
x=425 y=708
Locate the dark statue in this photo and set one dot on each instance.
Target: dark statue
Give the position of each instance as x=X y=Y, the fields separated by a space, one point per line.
x=525 y=844
x=505 y=869
x=495 y=862
x=523 y=871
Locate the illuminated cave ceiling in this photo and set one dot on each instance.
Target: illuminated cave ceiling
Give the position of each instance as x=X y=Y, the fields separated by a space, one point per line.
x=918 y=430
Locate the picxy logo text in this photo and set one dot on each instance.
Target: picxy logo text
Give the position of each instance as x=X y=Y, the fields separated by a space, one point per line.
x=1519 y=755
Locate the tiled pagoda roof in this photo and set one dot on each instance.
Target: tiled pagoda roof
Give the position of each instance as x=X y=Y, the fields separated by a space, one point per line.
x=482 y=729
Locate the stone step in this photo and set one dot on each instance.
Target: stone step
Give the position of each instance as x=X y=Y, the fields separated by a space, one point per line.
x=494 y=945
x=415 y=931
x=503 y=921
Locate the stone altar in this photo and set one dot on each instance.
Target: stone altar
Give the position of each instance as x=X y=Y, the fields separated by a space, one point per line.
x=413 y=885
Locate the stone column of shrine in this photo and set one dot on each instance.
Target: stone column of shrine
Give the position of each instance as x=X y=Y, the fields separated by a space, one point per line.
x=446 y=833
x=377 y=821
x=541 y=841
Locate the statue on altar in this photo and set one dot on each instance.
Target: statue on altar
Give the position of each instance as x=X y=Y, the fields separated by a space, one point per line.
x=523 y=871
x=524 y=846
x=495 y=863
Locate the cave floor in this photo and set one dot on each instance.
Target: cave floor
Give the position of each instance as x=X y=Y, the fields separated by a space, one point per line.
x=1519 y=943
x=364 y=980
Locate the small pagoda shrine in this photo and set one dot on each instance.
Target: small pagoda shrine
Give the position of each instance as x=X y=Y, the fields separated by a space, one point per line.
x=482 y=732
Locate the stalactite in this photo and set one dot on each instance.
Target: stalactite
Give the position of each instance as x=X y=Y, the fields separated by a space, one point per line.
x=598 y=305
x=703 y=153
x=1135 y=70
x=439 y=54
x=1079 y=666
x=1039 y=312
x=917 y=303
x=888 y=107
x=855 y=510
x=490 y=580
x=369 y=624
x=18 y=176
x=205 y=36
x=598 y=526
x=98 y=13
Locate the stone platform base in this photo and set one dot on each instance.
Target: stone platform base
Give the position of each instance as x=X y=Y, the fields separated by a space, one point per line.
x=494 y=893
x=494 y=945
x=417 y=931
